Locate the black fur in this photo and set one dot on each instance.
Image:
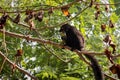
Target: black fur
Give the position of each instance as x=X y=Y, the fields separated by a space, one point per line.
x=75 y=40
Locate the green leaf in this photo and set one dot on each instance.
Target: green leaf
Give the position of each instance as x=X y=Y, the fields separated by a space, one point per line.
x=69 y=78
x=114 y=17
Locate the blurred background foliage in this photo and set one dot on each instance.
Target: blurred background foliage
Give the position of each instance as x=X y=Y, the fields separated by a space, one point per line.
x=39 y=59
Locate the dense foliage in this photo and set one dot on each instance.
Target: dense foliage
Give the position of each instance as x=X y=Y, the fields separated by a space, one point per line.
x=46 y=61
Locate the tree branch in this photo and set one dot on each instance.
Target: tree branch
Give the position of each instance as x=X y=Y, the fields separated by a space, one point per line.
x=47 y=42
x=20 y=69
x=111 y=78
x=116 y=56
x=107 y=3
x=45 y=9
x=79 y=53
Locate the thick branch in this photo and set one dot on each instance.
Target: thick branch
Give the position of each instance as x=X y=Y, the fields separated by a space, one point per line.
x=29 y=38
x=47 y=42
x=50 y=42
x=20 y=69
x=111 y=78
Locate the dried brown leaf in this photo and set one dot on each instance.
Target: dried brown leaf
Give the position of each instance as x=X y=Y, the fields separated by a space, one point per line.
x=31 y=24
x=103 y=27
x=19 y=53
x=113 y=69
x=3 y=20
x=106 y=8
x=65 y=11
x=107 y=39
x=113 y=46
x=97 y=6
x=111 y=25
x=17 y=18
x=50 y=11
x=39 y=16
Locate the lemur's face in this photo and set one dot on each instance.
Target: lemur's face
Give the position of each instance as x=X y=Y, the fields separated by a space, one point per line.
x=62 y=31
x=64 y=28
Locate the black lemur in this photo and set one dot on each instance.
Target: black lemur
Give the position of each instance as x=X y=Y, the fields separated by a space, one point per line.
x=74 y=39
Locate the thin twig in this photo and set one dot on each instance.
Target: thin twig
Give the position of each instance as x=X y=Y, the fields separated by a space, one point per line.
x=66 y=20
x=57 y=55
x=2 y=64
x=48 y=27
x=4 y=41
x=107 y=3
x=116 y=56
x=54 y=7
x=45 y=9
